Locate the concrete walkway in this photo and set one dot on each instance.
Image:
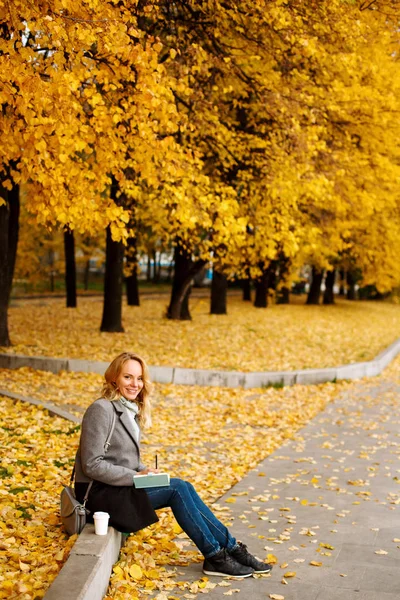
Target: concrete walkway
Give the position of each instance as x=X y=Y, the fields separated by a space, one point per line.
x=331 y=498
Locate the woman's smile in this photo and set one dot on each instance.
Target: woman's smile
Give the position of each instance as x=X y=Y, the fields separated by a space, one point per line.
x=130 y=381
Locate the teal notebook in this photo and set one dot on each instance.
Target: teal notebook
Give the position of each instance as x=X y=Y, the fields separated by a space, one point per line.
x=151 y=480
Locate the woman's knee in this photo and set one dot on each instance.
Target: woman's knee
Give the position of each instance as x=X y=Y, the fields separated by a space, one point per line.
x=178 y=484
x=183 y=488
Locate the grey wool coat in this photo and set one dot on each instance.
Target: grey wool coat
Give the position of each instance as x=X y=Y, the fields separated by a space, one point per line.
x=112 y=472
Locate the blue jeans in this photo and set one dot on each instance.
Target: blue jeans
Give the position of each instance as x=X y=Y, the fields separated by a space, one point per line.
x=195 y=518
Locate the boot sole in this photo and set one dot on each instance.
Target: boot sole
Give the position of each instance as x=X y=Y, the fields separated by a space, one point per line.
x=219 y=574
x=261 y=572
x=266 y=570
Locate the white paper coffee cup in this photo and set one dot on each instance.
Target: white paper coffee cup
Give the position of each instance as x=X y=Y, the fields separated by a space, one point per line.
x=100 y=522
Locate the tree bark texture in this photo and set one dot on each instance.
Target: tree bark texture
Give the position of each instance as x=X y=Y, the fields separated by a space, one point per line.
x=9 y=228
x=185 y=270
x=131 y=282
x=70 y=267
x=112 y=306
x=315 y=287
x=329 y=297
x=219 y=287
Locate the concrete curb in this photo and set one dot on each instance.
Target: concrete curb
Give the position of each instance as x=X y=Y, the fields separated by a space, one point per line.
x=86 y=573
x=51 y=408
x=204 y=377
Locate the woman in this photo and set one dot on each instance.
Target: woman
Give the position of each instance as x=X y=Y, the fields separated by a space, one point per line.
x=112 y=470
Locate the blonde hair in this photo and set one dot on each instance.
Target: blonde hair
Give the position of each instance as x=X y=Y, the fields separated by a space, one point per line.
x=111 y=392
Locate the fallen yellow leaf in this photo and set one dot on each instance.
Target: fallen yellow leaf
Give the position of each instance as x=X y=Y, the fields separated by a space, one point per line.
x=59 y=555
x=135 y=572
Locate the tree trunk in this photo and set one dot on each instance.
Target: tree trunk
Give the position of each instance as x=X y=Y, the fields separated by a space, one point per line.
x=342 y=280
x=159 y=267
x=283 y=296
x=132 y=287
x=170 y=271
x=283 y=293
x=315 y=288
x=70 y=267
x=9 y=228
x=329 y=297
x=148 y=273
x=246 y=288
x=156 y=268
x=219 y=287
x=351 y=286
x=86 y=274
x=262 y=285
x=185 y=270
x=112 y=306
x=51 y=263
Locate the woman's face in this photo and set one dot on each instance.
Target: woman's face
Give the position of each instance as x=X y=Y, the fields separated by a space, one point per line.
x=130 y=380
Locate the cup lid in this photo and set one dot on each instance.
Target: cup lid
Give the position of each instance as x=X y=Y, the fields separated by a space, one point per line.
x=101 y=514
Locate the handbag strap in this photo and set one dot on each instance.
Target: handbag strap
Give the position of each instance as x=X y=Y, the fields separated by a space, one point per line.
x=87 y=494
x=106 y=446
x=107 y=442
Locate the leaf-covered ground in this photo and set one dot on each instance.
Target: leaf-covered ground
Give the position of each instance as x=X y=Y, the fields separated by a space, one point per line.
x=36 y=453
x=240 y=428
x=281 y=337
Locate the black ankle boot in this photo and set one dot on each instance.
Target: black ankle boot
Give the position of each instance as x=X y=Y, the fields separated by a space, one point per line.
x=243 y=556
x=224 y=564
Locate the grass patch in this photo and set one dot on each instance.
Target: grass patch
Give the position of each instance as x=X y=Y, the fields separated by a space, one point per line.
x=277 y=385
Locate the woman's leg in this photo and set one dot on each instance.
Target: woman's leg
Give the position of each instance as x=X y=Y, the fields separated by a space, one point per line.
x=220 y=531
x=195 y=518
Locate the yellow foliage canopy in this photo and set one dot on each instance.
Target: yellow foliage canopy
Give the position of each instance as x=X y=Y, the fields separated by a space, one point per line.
x=254 y=132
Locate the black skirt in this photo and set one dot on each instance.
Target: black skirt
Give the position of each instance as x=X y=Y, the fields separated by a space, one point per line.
x=129 y=509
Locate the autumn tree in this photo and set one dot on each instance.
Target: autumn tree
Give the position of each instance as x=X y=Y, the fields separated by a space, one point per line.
x=73 y=78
